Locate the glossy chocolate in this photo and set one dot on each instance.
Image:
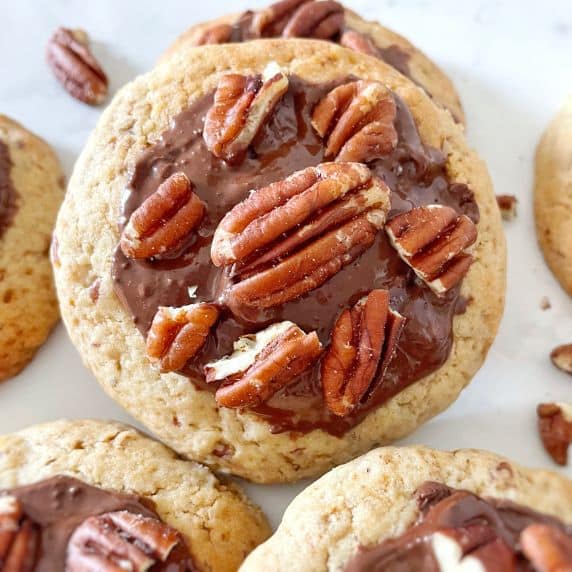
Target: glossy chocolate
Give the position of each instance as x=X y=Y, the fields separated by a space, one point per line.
x=8 y=193
x=445 y=508
x=58 y=505
x=287 y=143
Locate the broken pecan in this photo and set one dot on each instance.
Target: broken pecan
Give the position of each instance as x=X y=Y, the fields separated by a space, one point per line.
x=322 y=19
x=359 y=43
x=217 y=34
x=18 y=537
x=364 y=341
x=267 y=214
x=555 y=428
x=177 y=334
x=241 y=106
x=562 y=358
x=357 y=121
x=75 y=67
x=262 y=364
x=507 y=206
x=163 y=220
x=433 y=241
x=548 y=548
x=120 y=541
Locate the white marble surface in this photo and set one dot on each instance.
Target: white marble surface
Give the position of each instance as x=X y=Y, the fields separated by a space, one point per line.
x=511 y=63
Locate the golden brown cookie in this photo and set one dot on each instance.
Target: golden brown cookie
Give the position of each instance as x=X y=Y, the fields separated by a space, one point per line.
x=112 y=462
x=553 y=196
x=31 y=189
x=346 y=520
x=311 y=18
x=152 y=316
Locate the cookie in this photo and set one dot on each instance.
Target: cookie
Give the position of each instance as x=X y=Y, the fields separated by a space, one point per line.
x=220 y=357
x=332 y=22
x=394 y=506
x=31 y=190
x=104 y=473
x=553 y=196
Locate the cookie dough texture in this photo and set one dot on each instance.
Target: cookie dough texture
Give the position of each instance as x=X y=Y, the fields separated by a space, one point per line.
x=371 y=499
x=219 y=522
x=553 y=196
x=185 y=418
x=28 y=305
x=423 y=71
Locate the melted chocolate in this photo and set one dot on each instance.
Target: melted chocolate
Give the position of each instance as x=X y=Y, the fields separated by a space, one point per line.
x=60 y=504
x=8 y=194
x=287 y=143
x=445 y=508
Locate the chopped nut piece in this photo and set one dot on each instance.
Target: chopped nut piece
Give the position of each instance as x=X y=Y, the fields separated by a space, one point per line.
x=359 y=43
x=164 y=219
x=507 y=205
x=562 y=358
x=433 y=241
x=545 y=303
x=217 y=34
x=555 y=428
x=548 y=548
x=241 y=106
x=364 y=341
x=75 y=67
x=177 y=334
x=18 y=537
x=262 y=364
x=120 y=541
x=357 y=121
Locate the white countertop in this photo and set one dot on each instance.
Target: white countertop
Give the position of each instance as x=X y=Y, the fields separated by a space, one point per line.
x=511 y=61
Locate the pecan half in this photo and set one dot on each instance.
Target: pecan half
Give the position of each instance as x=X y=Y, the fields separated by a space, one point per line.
x=75 y=67
x=309 y=202
x=217 y=34
x=507 y=206
x=241 y=106
x=120 y=541
x=18 y=537
x=322 y=19
x=357 y=121
x=177 y=334
x=555 y=428
x=474 y=547
x=359 y=43
x=364 y=341
x=562 y=358
x=433 y=241
x=163 y=220
x=548 y=548
x=262 y=364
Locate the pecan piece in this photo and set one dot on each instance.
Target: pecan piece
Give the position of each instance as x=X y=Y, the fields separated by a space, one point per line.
x=262 y=364
x=359 y=42
x=241 y=106
x=364 y=341
x=217 y=34
x=433 y=241
x=18 y=537
x=75 y=67
x=269 y=213
x=357 y=121
x=548 y=548
x=562 y=358
x=163 y=220
x=177 y=334
x=555 y=428
x=507 y=206
x=120 y=541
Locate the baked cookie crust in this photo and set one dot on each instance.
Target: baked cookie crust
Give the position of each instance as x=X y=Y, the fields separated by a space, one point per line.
x=28 y=304
x=186 y=418
x=372 y=499
x=220 y=524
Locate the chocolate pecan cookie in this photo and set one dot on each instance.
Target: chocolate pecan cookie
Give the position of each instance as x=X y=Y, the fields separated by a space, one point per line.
x=284 y=264
x=414 y=508
x=553 y=196
x=328 y=20
x=99 y=495
x=31 y=189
